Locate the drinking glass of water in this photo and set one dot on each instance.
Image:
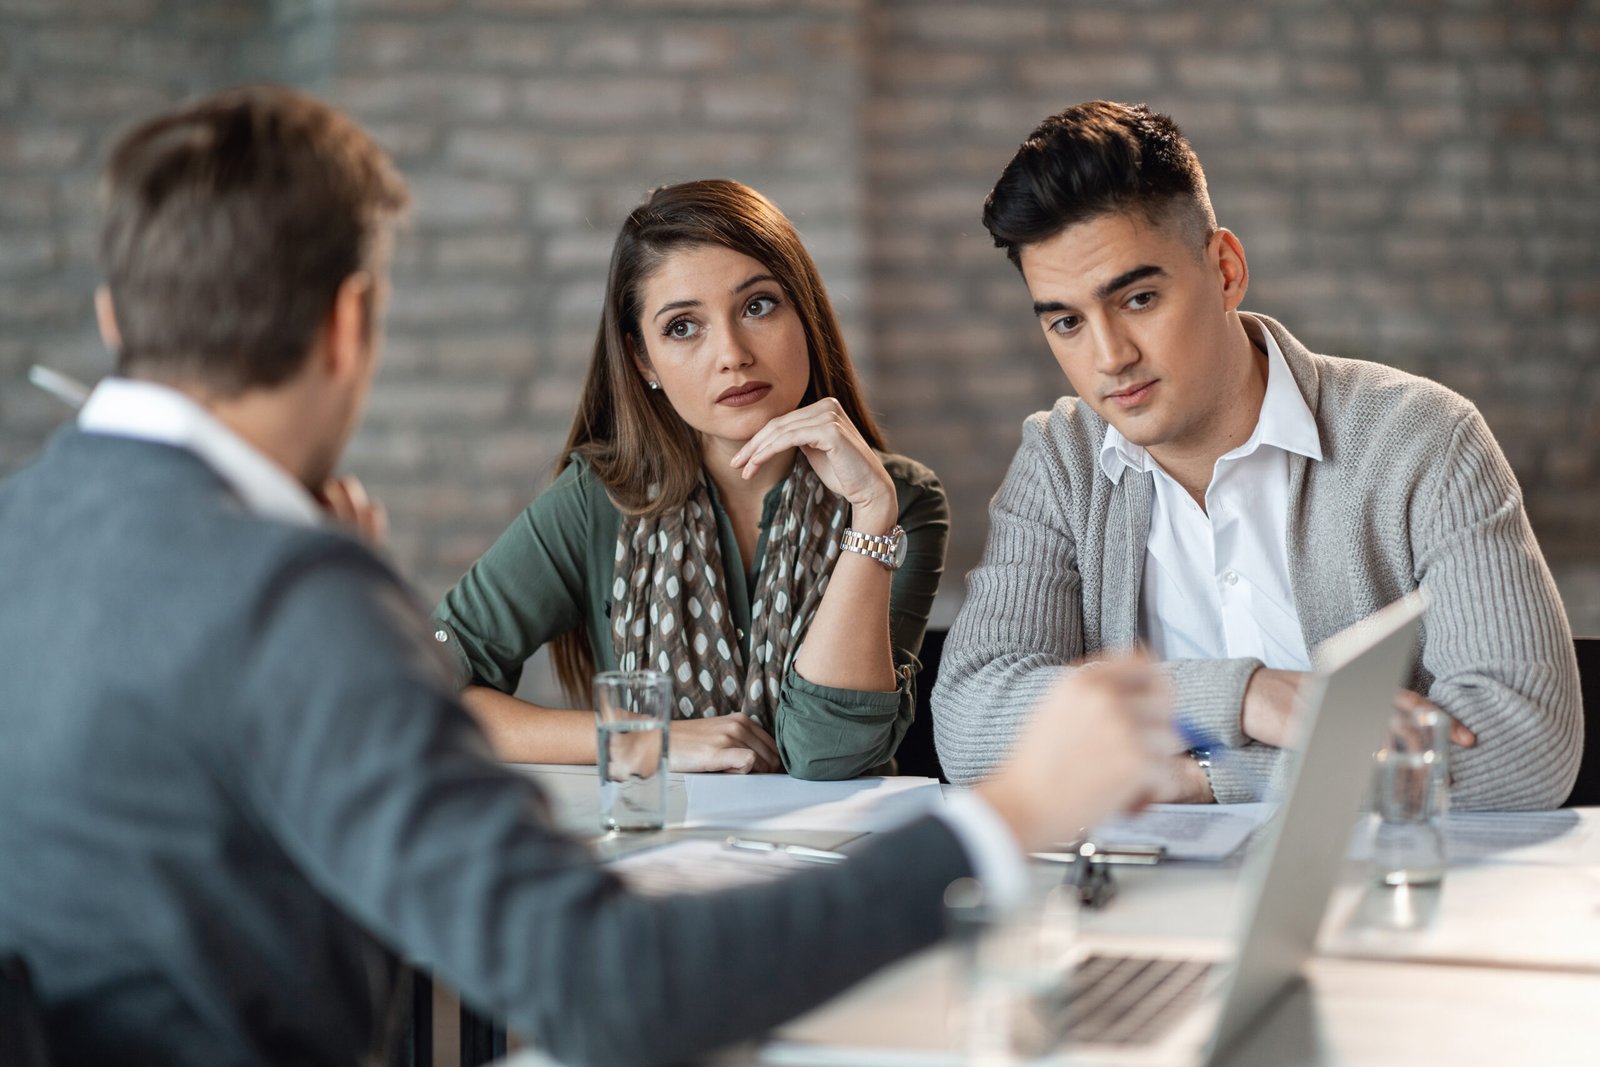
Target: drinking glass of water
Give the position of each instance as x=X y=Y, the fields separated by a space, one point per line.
x=631 y=713
x=1012 y=967
x=1413 y=797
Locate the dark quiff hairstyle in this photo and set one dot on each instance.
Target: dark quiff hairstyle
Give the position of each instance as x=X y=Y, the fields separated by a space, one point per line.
x=1094 y=159
x=229 y=225
x=645 y=455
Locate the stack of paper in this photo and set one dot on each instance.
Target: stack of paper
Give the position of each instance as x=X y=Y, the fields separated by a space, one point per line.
x=1187 y=831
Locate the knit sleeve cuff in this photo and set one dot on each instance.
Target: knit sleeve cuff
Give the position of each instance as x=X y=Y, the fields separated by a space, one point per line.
x=1208 y=696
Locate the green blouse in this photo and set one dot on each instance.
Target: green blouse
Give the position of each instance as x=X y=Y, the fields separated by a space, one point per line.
x=551 y=572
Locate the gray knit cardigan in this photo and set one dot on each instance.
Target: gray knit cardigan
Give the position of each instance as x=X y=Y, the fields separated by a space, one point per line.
x=1411 y=491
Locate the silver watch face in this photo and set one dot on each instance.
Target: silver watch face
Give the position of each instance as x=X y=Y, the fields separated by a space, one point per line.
x=897 y=554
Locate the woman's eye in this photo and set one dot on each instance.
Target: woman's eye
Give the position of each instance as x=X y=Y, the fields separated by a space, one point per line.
x=759 y=306
x=681 y=329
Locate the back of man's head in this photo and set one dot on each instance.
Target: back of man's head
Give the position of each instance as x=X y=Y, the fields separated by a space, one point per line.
x=1095 y=159
x=229 y=225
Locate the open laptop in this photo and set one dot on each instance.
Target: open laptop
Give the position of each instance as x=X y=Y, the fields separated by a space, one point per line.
x=1145 y=1000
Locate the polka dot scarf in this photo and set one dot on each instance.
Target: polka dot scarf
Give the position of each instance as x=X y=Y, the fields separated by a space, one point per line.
x=669 y=607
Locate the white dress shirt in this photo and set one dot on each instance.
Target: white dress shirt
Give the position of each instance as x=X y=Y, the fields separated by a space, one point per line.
x=146 y=411
x=1216 y=580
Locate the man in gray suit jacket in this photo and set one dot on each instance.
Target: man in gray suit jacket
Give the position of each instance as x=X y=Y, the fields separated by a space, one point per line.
x=1230 y=499
x=236 y=787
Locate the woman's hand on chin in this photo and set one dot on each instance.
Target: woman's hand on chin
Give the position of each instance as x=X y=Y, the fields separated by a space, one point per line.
x=835 y=449
x=732 y=743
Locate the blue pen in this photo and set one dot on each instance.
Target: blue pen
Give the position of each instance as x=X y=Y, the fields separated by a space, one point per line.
x=1194 y=737
x=1210 y=751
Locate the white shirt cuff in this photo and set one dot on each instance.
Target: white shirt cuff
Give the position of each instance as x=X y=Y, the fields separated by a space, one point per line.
x=997 y=860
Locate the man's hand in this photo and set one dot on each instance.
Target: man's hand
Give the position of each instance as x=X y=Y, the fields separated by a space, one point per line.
x=346 y=499
x=732 y=743
x=1092 y=748
x=1269 y=702
x=1272 y=695
x=1406 y=700
x=1179 y=780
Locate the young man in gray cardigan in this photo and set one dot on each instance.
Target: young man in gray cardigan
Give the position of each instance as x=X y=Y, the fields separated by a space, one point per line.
x=236 y=786
x=1229 y=499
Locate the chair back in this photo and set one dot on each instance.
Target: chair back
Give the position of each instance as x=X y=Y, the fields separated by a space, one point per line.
x=21 y=1025
x=1586 y=790
x=917 y=755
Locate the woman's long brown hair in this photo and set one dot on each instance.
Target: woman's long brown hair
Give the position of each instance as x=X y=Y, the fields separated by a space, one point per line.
x=645 y=455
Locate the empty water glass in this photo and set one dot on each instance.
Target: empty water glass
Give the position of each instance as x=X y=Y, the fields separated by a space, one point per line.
x=1012 y=968
x=1413 y=797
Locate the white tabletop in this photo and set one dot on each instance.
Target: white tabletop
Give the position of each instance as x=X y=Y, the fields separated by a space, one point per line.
x=1505 y=969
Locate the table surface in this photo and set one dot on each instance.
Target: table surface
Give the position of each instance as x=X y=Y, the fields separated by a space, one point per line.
x=1505 y=969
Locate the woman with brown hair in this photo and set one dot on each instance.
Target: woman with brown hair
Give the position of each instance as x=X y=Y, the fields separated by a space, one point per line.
x=725 y=512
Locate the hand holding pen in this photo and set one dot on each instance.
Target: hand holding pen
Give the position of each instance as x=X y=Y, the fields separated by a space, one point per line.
x=1205 y=754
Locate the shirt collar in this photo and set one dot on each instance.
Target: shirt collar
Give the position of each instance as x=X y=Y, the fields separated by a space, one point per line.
x=1285 y=422
x=146 y=411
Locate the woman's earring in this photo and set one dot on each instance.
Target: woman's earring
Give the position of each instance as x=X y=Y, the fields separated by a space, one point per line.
x=655 y=387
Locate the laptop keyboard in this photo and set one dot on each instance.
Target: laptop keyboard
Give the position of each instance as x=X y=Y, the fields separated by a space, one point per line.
x=1129 y=1000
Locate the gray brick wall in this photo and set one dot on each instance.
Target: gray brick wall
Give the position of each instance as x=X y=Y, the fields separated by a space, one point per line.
x=1414 y=184
x=72 y=72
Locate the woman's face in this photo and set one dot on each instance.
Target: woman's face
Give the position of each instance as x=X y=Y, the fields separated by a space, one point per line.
x=724 y=341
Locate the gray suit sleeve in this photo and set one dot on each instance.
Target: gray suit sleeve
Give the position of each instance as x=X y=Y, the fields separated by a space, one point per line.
x=353 y=752
x=1497 y=645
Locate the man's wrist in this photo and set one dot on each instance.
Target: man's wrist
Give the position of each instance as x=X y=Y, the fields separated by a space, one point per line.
x=1180 y=780
x=1007 y=809
x=989 y=837
x=1247 y=703
x=1198 y=775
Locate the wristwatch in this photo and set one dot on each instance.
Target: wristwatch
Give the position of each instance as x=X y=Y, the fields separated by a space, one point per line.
x=1202 y=759
x=888 y=549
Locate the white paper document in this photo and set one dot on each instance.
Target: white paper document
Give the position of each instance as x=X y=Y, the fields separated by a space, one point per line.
x=779 y=802
x=700 y=866
x=1187 y=831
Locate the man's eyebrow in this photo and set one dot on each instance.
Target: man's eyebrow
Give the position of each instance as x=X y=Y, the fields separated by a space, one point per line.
x=1128 y=277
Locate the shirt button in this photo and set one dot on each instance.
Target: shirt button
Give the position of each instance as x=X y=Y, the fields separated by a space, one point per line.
x=440 y=636
x=1231 y=577
x=738 y=634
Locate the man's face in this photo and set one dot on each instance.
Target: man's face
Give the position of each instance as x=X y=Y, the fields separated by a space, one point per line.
x=1137 y=316
x=357 y=328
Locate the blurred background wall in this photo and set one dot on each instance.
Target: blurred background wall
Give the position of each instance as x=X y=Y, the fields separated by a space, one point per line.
x=1415 y=183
